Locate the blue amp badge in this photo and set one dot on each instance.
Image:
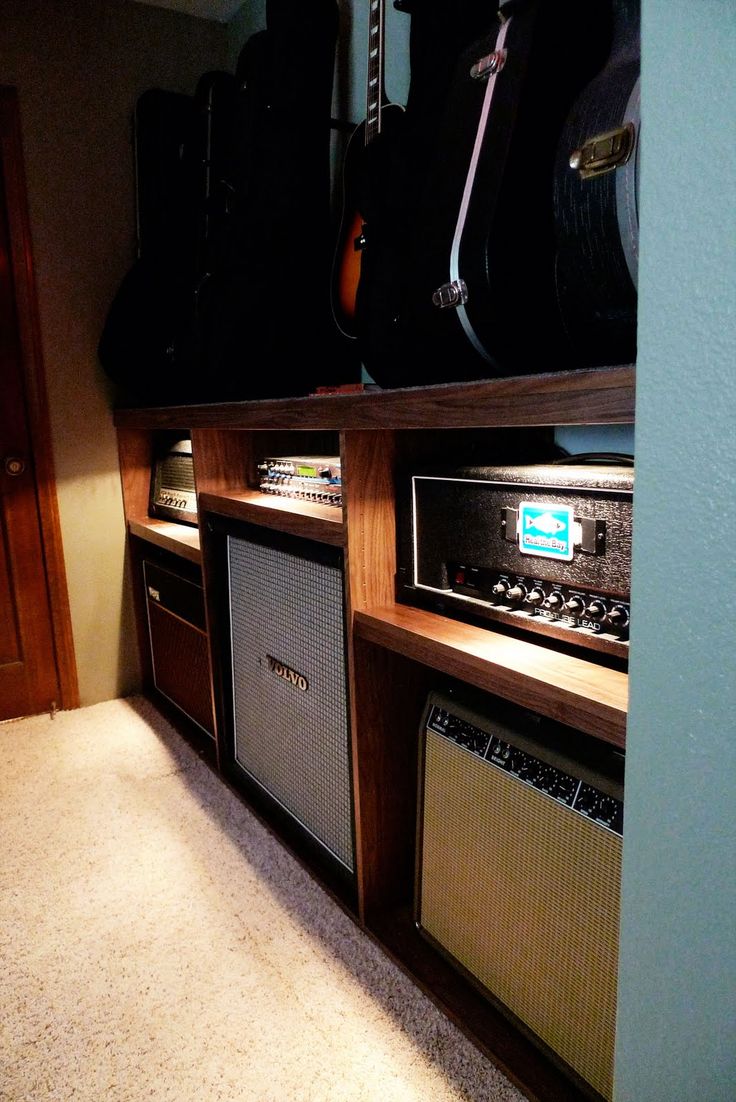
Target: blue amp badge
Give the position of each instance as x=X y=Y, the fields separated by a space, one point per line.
x=546 y=530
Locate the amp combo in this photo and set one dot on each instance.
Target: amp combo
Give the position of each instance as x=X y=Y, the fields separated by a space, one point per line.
x=545 y=548
x=518 y=872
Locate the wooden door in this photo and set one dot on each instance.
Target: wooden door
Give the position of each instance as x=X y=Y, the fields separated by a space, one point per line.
x=31 y=643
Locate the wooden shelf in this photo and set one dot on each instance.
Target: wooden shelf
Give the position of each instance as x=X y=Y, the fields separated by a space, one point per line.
x=575 y=691
x=323 y=523
x=599 y=396
x=182 y=539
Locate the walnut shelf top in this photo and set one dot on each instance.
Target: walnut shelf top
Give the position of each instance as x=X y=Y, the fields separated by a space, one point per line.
x=179 y=538
x=576 y=691
x=598 y=396
x=301 y=518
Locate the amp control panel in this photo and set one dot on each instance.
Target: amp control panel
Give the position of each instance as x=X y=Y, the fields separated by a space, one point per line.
x=561 y=784
x=525 y=595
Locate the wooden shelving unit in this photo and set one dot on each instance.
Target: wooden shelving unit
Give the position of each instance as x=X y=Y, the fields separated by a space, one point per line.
x=395 y=653
x=167 y=534
x=301 y=518
x=572 y=690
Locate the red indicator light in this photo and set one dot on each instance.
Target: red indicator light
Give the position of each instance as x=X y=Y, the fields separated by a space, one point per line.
x=460 y=577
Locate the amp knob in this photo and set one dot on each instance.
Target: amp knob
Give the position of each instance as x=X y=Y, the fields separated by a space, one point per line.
x=535 y=596
x=596 y=610
x=517 y=593
x=575 y=606
x=618 y=616
x=555 y=601
x=500 y=589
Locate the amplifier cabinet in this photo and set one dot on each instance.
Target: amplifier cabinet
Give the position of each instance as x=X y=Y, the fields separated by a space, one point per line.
x=543 y=548
x=518 y=872
x=285 y=703
x=177 y=633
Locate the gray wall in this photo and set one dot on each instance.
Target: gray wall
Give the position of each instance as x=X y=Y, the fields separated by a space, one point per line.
x=79 y=66
x=677 y=1000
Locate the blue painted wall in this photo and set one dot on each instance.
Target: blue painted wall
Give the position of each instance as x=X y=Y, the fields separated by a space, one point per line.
x=677 y=999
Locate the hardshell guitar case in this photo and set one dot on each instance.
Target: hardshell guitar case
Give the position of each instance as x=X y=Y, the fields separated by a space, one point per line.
x=395 y=168
x=140 y=347
x=480 y=293
x=272 y=333
x=596 y=205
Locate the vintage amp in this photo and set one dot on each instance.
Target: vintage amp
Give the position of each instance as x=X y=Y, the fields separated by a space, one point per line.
x=518 y=871
x=173 y=495
x=544 y=548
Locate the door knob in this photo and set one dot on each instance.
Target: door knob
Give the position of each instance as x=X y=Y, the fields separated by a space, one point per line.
x=14 y=465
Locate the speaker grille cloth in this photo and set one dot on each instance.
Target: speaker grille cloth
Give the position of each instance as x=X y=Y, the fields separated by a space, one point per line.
x=293 y=743
x=525 y=894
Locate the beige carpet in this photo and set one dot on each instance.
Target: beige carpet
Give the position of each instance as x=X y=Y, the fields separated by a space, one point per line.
x=156 y=942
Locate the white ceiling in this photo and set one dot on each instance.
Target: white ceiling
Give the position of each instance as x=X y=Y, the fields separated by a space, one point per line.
x=221 y=11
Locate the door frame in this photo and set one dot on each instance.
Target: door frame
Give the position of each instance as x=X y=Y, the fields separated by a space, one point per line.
x=39 y=424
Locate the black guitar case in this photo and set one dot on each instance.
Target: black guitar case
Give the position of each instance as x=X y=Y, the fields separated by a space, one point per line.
x=272 y=333
x=397 y=165
x=596 y=205
x=139 y=345
x=480 y=292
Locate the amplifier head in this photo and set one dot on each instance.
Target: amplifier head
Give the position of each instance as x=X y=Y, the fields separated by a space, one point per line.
x=173 y=494
x=544 y=547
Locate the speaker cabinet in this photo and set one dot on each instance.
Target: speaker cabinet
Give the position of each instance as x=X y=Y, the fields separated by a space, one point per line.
x=286 y=712
x=518 y=873
x=178 y=638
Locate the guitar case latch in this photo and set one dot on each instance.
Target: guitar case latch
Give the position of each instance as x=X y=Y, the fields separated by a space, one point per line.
x=604 y=152
x=454 y=293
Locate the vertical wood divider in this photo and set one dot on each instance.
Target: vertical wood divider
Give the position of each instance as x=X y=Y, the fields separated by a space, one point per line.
x=367 y=460
x=222 y=465
x=222 y=460
x=135 y=451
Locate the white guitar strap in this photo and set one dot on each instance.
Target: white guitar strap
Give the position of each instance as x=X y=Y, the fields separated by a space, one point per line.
x=468 y=190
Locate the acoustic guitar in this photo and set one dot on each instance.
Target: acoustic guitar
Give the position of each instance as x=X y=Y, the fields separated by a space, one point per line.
x=365 y=209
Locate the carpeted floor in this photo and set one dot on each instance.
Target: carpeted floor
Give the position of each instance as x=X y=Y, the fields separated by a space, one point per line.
x=156 y=942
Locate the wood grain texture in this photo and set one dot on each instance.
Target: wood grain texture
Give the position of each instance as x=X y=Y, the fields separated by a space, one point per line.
x=600 y=396
x=222 y=460
x=389 y=693
x=300 y=518
x=180 y=539
x=574 y=691
x=29 y=332
x=368 y=493
x=135 y=451
x=367 y=469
